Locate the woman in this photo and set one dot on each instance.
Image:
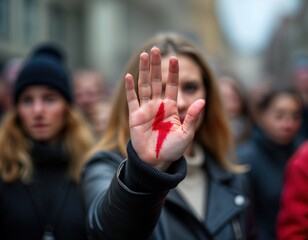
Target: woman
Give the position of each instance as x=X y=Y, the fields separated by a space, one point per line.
x=4 y=98
x=268 y=151
x=292 y=222
x=235 y=103
x=91 y=98
x=138 y=198
x=43 y=141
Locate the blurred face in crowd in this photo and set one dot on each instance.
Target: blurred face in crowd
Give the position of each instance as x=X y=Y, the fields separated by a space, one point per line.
x=230 y=98
x=301 y=82
x=41 y=111
x=87 y=91
x=282 y=118
x=301 y=76
x=3 y=92
x=191 y=86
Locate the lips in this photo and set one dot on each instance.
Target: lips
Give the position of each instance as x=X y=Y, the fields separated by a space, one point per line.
x=39 y=125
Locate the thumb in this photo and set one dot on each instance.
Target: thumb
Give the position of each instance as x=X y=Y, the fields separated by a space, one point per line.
x=192 y=116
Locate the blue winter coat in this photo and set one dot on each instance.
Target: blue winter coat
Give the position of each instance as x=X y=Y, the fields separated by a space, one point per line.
x=267 y=161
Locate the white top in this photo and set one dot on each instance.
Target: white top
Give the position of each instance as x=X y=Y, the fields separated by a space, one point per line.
x=194 y=187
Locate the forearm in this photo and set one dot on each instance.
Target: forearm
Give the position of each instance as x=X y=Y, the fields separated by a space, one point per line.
x=131 y=206
x=124 y=214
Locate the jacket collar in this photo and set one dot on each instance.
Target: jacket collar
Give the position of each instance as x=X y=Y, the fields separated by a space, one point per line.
x=216 y=172
x=223 y=203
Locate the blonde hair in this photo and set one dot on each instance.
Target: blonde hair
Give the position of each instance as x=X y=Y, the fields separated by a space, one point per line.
x=15 y=159
x=213 y=134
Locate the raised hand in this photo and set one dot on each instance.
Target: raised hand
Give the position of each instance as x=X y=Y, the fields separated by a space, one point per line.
x=156 y=132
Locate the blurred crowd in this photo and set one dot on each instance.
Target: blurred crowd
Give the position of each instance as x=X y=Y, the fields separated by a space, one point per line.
x=268 y=125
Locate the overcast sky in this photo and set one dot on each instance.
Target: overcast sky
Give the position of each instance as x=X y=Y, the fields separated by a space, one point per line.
x=248 y=24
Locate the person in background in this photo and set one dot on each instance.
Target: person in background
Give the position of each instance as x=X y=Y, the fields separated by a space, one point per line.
x=235 y=103
x=149 y=195
x=43 y=140
x=300 y=81
x=9 y=73
x=292 y=222
x=91 y=97
x=268 y=151
x=4 y=98
x=254 y=95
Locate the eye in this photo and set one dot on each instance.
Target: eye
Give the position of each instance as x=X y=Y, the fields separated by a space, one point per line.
x=26 y=100
x=50 y=98
x=279 y=115
x=297 y=116
x=190 y=87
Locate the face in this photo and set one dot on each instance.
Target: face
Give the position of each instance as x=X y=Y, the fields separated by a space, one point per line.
x=42 y=112
x=282 y=119
x=301 y=83
x=301 y=79
x=87 y=92
x=3 y=93
x=230 y=98
x=191 y=86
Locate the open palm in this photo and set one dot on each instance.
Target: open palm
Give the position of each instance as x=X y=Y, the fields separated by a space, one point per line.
x=157 y=134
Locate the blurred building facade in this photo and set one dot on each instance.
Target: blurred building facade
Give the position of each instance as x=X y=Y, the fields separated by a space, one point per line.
x=102 y=34
x=24 y=23
x=288 y=43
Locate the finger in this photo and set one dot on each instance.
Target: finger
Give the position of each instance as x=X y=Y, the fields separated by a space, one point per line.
x=155 y=73
x=131 y=95
x=144 y=87
x=171 y=91
x=192 y=116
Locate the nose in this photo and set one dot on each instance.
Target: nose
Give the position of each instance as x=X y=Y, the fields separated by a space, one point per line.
x=37 y=108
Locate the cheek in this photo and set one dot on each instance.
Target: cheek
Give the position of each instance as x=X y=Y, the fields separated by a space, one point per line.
x=297 y=124
x=26 y=122
x=58 y=116
x=269 y=123
x=24 y=116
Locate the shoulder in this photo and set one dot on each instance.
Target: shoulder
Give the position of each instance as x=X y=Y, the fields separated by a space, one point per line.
x=4 y=185
x=302 y=152
x=222 y=175
x=98 y=173
x=102 y=161
x=240 y=180
x=1 y=186
x=246 y=147
x=104 y=158
x=15 y=187
x=300 y=158
x=247 y=152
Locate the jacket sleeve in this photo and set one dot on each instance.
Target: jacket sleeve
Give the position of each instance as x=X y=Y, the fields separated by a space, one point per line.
x=292 y=220
x=125 y=199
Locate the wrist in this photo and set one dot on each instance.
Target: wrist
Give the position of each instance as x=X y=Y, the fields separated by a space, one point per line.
x=141 y=176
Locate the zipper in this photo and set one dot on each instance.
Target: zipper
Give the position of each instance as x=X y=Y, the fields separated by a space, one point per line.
x=237 y=229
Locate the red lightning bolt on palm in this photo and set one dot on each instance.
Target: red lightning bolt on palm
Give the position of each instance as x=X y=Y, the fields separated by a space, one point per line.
x=163 y=128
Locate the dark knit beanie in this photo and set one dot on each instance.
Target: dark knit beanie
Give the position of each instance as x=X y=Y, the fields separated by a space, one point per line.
x=45 y=67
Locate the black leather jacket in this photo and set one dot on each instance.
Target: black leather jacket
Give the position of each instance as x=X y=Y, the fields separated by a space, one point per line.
x=117 y=212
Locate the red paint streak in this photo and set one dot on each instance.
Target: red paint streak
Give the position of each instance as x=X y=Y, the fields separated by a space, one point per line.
x=163 y=128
